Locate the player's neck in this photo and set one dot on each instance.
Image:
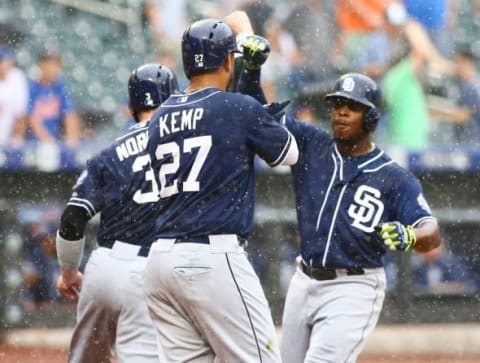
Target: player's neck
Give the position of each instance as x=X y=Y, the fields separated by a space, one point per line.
x=355 y=149
x=145 y=115
x=207 y=80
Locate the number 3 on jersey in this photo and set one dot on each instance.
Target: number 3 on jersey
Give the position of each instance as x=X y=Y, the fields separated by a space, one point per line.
x=172 y=149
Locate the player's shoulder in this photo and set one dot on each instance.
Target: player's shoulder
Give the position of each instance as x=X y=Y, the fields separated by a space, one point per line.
x=132 y=130
x=396 y=172
x=243 y=101
x=130 y=139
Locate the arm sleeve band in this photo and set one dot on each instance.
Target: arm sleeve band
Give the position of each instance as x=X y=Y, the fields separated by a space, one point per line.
x=73 y=222
x=69 y=253
x=292 y=153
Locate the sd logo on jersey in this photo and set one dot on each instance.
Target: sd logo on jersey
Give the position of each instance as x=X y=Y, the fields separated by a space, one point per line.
x=367 y=209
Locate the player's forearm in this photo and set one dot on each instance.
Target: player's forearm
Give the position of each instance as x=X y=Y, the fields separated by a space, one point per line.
x=239 y=21
x=69 y=253
x=70 y=237
x=249 y=84
x=427 y=236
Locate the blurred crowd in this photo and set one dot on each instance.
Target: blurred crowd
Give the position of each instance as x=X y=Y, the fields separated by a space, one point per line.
x=39 y=109
x=420 y=52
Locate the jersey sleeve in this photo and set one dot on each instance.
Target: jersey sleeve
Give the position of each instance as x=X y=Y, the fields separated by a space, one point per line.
x=268 y=138
x=87 y=191
x=409 y=203
x=305 y=133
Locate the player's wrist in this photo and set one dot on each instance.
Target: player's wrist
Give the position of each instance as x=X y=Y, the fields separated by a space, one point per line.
x=68 y=273
x=411 y=237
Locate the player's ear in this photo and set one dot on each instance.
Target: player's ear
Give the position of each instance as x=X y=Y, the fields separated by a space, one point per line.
x=229 y=63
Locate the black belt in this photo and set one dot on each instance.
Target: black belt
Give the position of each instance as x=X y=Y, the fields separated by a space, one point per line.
x=143 y=251
x=205 y=240
x=199 y=239
x=328 y=273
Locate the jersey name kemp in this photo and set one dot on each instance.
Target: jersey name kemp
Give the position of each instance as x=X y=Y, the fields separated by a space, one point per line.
x=179 y=121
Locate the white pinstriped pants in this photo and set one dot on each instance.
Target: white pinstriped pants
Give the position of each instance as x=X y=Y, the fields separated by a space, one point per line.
x=111 y=311
x=207 y=303
x=328 y=321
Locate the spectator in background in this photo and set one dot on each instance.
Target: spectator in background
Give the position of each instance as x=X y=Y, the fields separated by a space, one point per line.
x=469 y=97
x=311 y=26
x=467 y=26
x=441 y=272
x=465 y=113
x=51 y=113
x=439 y=18
x=13 y=100
x=410 y=51
x=166 y=20
x=356 y=19
x=259 y=12
x=40 y=267
x=284 y=59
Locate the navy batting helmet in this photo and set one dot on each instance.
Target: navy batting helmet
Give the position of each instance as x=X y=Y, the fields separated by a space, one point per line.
x=205 y=45
x=149 y=85
x=362 y=89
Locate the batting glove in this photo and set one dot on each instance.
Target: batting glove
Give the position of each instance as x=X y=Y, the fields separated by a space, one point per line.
x=276 y=109
x=256 y=50
x=396 y=236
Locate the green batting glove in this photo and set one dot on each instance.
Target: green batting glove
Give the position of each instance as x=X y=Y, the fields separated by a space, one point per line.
x=256 y=50
x=396 y=236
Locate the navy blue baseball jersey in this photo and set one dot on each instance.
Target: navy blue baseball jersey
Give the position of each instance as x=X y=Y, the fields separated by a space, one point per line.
x=202 y=147
x=341 y=199
x=119 y=183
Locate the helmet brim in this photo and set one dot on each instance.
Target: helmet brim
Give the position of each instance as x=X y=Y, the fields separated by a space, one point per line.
x=349 y=96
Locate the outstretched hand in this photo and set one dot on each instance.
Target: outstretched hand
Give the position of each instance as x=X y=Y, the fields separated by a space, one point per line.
x=276 y=109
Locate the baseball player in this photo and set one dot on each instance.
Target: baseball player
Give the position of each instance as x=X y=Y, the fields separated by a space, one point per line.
x=202 y=293
x=118 y=183
x=353 y=202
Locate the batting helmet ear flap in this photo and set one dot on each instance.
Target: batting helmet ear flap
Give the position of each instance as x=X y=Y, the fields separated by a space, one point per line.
x=370 y=119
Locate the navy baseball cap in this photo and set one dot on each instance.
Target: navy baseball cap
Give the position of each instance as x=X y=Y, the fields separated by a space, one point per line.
x=6 y=53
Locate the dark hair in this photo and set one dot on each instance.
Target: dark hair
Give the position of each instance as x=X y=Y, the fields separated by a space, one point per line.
x=48 y=54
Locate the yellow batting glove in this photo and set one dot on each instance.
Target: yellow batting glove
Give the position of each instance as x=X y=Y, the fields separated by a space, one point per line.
x=256 y=50
x=396 y=236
